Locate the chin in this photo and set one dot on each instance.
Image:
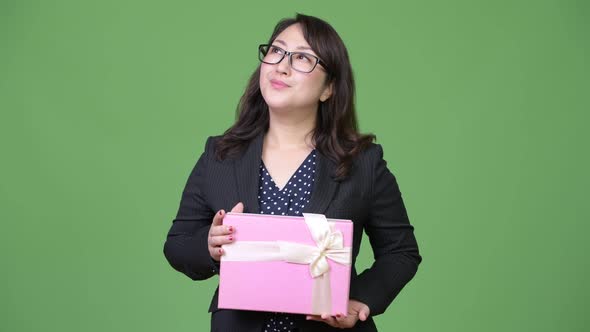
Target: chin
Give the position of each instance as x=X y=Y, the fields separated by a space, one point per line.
x=276 y=102
x=277 y=105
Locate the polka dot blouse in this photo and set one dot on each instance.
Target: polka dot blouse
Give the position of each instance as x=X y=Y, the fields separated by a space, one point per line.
x=288 y=201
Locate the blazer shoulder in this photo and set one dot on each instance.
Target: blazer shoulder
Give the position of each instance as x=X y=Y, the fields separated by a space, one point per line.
x=366 y=161
x=210 y=144
x=371 y=159
x=373 y=152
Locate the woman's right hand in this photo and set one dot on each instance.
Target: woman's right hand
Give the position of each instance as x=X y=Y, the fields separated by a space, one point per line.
x=220 y=234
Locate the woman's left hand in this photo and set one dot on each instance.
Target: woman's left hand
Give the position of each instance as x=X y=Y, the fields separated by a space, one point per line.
x=356 y=310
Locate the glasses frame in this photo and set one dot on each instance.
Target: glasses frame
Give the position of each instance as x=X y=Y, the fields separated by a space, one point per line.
x=290 y=54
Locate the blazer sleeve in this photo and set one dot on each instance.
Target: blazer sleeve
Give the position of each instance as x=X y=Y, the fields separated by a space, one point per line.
x=186 y=246
x=392 y=239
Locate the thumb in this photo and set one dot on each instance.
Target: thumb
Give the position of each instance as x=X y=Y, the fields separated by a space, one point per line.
x=364 y=314
x=239 y=208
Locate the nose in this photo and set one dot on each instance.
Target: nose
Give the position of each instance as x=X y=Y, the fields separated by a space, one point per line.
x=284 y=66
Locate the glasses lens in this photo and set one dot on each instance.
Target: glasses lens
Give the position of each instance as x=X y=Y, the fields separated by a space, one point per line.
x=303 y=62
x=271 y=54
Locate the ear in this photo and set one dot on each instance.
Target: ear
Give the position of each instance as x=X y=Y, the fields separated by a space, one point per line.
x=327 y=93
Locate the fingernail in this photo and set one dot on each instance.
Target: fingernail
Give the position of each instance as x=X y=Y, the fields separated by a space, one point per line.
x=219 y=212
x=231 y=228
x=231 y=238
x=338 y=315
x=220 y=252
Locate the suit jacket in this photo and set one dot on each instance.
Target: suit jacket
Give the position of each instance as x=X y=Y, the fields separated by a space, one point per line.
x=369 y=196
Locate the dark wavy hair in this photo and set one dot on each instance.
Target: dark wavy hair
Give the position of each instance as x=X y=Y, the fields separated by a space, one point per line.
x=336 y=132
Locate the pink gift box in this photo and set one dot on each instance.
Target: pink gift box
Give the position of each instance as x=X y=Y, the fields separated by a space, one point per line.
x=253 y=281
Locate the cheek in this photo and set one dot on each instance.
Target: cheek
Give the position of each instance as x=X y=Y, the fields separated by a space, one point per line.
x=263 y=80
x=314 y=87
x=264 y=70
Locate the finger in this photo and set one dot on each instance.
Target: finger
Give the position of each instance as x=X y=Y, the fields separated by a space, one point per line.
x=216 y=253
x=330 y=320
x=221 y=230
x=346 y=321
x=218 y=218
x=238 y=208
x=218 y=241
x=320 y=319
x=341 y=317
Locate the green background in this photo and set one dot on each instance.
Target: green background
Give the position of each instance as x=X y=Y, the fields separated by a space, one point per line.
x=481 y=107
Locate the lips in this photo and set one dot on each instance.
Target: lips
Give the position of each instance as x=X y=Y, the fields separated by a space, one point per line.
x=278 y=84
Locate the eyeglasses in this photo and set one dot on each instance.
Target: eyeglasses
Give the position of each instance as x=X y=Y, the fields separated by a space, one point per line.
x=299 y=61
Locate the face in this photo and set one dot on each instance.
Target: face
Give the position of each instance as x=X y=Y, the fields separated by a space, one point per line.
x=285 y=88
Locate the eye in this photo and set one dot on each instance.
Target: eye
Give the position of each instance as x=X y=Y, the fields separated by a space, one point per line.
x=303 y=57
x=276 y=50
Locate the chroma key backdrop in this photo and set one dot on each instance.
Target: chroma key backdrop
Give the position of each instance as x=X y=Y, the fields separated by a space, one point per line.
x=481 y=108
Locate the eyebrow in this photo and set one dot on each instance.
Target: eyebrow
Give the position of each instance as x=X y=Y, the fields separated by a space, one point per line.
x=298 y=47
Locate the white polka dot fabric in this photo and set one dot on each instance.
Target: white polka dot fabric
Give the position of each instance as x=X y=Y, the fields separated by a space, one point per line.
x=288 y=201
x=292 y=198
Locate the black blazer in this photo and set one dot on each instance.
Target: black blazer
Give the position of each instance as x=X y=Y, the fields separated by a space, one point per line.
x=369 y=196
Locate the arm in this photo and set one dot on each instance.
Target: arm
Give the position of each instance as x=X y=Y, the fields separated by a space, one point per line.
x=392 y=238
x=186 y=244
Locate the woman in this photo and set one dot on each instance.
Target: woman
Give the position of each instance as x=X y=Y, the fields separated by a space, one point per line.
x=297 y=117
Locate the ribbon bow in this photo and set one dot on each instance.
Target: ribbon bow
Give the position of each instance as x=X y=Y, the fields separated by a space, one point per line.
x=329 y=244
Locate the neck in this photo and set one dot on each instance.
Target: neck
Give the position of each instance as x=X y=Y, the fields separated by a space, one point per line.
x=290 y=129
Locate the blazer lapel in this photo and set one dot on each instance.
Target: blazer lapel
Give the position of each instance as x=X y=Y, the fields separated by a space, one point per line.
x=324 y=186
x=247 y=170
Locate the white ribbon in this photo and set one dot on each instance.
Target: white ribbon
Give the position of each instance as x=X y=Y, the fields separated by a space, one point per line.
x=329 y=244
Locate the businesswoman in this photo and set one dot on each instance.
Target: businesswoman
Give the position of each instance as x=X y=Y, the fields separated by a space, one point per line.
x=296 y=122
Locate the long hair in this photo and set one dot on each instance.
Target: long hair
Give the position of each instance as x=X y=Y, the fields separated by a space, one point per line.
x=336 y=132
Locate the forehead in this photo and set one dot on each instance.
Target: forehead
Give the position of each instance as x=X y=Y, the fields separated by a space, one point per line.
x=292 y=38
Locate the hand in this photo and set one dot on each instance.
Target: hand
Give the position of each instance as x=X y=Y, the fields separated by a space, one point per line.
x=356 y=310
x=220 y=234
